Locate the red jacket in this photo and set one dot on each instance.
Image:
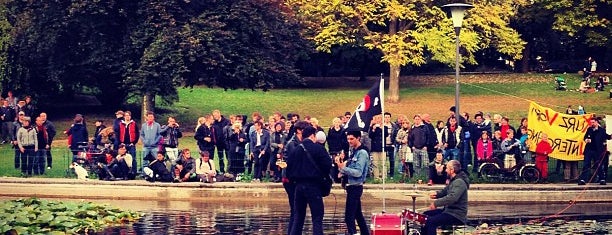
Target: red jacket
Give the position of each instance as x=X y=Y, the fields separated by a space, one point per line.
x=542 y=150
x=132 y=129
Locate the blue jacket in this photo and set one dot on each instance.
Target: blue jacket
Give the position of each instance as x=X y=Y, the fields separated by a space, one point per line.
x=357 y=166
x=264 y=141
x=150 y=135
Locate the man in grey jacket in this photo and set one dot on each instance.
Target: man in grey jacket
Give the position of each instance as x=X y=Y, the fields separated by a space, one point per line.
x=454 y=199
x=150 y=136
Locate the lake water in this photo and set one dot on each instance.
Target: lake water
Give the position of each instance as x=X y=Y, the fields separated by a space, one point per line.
x=173 y=217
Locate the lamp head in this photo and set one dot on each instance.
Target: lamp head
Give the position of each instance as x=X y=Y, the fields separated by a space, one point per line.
x=457 y=11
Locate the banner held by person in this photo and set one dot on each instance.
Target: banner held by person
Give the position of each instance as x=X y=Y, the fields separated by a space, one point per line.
x=565 y=132
x=370 y=106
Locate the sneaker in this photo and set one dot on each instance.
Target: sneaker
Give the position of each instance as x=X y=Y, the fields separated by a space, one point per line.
x=430 y=183
x=176 y=180
x=48 y=168
x=581 y=182
x=602 y=182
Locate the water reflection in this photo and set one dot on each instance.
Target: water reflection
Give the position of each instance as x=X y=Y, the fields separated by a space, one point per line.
x=172 y=217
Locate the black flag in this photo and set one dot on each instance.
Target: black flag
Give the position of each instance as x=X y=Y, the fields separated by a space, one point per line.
x=370 y=106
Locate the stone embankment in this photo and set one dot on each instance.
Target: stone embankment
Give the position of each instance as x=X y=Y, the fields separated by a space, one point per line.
x=274 y=192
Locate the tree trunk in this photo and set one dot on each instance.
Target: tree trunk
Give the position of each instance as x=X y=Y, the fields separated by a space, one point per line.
x=394 y=72
x=148 y=104
x=526 y=56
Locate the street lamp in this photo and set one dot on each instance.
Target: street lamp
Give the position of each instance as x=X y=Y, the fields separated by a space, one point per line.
x=457 y=11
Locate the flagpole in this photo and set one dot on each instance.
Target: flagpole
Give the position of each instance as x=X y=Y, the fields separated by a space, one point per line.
x=384 y=153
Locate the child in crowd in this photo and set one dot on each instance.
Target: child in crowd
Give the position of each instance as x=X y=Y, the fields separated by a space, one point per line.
x=542 y=150
x=437 y=170
x=484 y=149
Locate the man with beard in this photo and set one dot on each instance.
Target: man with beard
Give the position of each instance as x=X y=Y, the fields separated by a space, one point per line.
x=454 y=199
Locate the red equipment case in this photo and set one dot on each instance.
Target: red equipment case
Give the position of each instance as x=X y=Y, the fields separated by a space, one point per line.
x=388 y=224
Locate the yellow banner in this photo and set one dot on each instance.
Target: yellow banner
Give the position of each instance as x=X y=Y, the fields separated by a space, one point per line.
x=565 y=132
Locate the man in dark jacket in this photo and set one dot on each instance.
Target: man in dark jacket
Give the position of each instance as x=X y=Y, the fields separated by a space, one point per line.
x=51 y=132
x=454 y=199
x=417 y=140
x=220 y=122
x=595 y=152
x=157 y=170
x=302 y=170
x=290 y=147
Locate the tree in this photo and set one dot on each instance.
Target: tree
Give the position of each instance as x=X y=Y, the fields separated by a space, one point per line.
x=408 y=32
x=147 y=48
x=5 y=37
x=584 y=18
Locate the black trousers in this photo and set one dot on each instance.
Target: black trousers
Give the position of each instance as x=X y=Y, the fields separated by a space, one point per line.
x=353 y=210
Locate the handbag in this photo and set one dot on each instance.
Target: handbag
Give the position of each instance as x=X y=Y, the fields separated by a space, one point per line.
x=326 y=182
x=409 y=157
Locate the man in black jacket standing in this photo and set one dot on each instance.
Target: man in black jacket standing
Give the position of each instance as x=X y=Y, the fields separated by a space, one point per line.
x=307 y=176
x=595 y=153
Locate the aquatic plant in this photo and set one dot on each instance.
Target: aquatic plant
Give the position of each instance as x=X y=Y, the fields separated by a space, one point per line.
x=38 y=216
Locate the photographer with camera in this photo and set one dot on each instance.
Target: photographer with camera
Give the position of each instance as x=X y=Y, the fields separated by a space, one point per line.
x=170 y=134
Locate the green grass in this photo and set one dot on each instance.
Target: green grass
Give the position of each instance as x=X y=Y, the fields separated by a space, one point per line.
x=417 y=96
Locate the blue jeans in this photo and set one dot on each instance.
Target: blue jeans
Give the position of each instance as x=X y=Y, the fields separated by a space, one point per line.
x=39 y=162
x=451 y=154
x=421 y=160
x=435 y=219
x=353 y=210
x=308 y=194
x=131 y=149
x=27 y=160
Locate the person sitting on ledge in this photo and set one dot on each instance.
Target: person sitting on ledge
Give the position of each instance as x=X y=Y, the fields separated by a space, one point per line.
x=121 y=166
x=157 y=170
x=205 y=169
x=454 y=199
x=184 y=170
x=437 y=170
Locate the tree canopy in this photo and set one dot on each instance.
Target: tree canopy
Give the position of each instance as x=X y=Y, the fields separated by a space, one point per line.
x=122 y=49
x=408 y=32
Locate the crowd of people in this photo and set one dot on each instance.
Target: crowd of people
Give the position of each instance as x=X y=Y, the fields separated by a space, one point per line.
x=256 y=147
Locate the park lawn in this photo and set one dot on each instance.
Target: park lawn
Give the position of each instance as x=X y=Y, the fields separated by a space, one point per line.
x=508 y=95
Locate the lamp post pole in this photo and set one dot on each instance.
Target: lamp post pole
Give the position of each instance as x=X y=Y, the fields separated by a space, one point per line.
x=457 y=11
x=457 y=54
